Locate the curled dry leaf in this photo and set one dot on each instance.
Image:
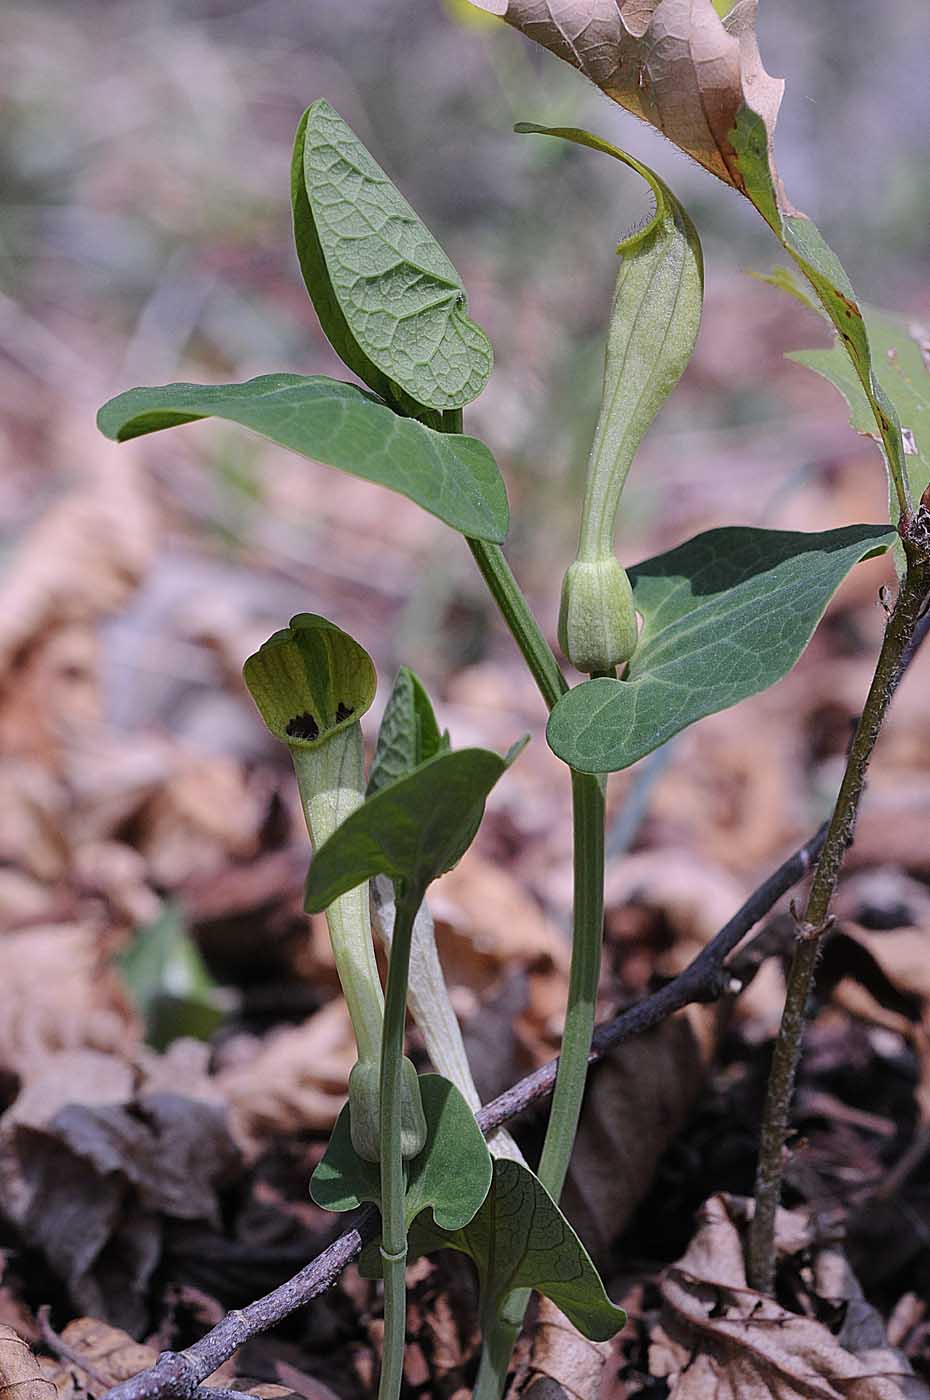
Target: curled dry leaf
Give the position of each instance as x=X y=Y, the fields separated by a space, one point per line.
x=91 y=1166
x=720 y=1340
x=562 y=1361
x=674 y=63
x=20 y=1375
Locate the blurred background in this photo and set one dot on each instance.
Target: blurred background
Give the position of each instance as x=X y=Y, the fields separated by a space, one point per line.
x=145 y=237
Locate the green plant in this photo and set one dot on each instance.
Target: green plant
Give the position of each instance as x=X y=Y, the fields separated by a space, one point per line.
x=722 y=616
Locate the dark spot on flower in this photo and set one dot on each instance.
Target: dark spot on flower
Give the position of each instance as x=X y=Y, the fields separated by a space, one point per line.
x=344 y=712
x=303 y=727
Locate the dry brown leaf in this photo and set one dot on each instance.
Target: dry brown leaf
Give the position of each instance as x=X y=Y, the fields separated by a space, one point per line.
x=901 y=958
x=673 y=63
x=489 y=920
x=562 y=1361
x=720 y=1340
x=91 y=1166
x=33 y=808
x=84 y=555
x=20 y=1375
x=294 y=1080
x=636 y=1102
x=202 y=817
x=58 y=993
x=110 y=1353
x=52 y=693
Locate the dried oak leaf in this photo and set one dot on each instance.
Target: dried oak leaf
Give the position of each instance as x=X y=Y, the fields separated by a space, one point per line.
x=110 y=1354
x=91 y=1166
x=673 y=63
x=720 y=1340
x=20 y=1374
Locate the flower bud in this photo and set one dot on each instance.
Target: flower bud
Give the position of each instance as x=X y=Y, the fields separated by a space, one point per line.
x=597 y=619
x=364 y=1111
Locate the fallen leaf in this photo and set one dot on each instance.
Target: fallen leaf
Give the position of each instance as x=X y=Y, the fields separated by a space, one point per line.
x=20 y=1374
x=720 y=1340
x=293 y=1081
x=91 y=1166
x=59 y=994
x=111 y=1356
x=200 y=818
x=562 y=1361
x=636 y=1102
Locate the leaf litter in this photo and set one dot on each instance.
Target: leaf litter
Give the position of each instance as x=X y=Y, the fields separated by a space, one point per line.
x=135 y=774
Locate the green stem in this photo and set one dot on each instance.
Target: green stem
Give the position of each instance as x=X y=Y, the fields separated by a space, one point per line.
x=523 y=626
x=393 y=1178
x=588 y=825
x=331 y=781
x=815 y=921
x=587 y=931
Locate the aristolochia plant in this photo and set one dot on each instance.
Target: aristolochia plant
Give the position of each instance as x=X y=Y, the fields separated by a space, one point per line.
x=720 y=617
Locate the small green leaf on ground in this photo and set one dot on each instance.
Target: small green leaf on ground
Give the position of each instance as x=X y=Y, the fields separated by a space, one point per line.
x=409 y=734
x=388 y=298
x=412 y=830
x=724 y=616
x=169 y=981
x=452 y=476
x=450 y=1176
x=520 y=1239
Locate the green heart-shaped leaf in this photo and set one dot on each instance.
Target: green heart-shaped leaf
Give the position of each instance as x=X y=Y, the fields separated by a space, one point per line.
x=520 y=1239
x=412 y=830
x=450 y=1176
x=724 y=616
x=310 y=680
x=902 y=367
x=409 y=734
x=452 y=476
x=389 y=300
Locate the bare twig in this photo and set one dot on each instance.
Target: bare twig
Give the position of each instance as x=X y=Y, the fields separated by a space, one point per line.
x=178 y=1375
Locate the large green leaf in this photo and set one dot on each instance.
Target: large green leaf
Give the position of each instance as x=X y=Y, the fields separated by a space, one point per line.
x=724 y=616
x=412 y=830
x=409 y=734
x=388 y=298
x=450 y=1176
x=452 y=476
x=902 y=368
x=520 y=1239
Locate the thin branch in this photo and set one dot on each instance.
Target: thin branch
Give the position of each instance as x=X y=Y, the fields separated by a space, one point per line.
x=178 y=1375
x=904 y=632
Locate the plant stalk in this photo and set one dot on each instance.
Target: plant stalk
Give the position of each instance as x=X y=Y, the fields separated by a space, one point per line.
x=814 y=923
x=587 y=931
x=393 y=1177
x=523 y=626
